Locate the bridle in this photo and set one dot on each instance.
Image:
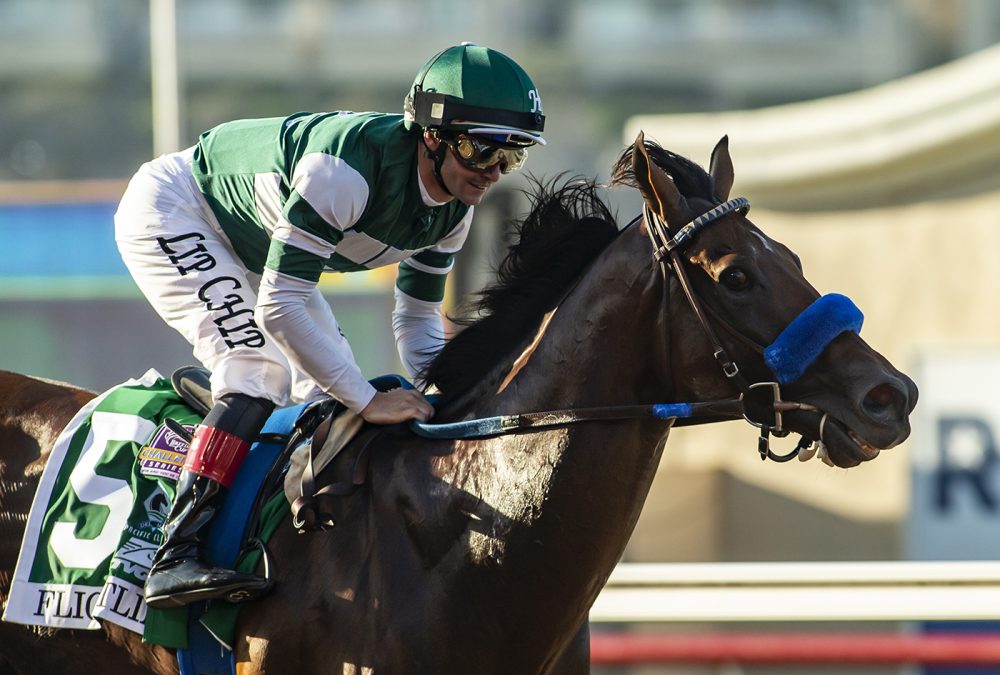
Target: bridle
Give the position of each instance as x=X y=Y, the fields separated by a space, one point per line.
x=667 y=251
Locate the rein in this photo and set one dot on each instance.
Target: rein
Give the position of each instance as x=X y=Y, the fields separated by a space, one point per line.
x=504 y=424
x=667 y=251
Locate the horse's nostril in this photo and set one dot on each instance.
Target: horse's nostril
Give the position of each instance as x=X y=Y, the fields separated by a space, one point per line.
x=885 y=399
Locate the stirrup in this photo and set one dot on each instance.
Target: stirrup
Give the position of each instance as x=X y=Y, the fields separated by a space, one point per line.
x=234 y=593
x=245 y=594
x=253 y=587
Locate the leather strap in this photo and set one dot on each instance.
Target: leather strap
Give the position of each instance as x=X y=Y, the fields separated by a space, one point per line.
x=729 y=367
x=308 y=513
x=666 y=251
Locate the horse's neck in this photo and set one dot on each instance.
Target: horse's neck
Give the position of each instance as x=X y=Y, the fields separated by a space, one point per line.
x=605 y=344
x=578 y=489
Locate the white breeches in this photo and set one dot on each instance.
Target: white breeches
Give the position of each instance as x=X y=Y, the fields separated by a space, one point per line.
x=184 y=264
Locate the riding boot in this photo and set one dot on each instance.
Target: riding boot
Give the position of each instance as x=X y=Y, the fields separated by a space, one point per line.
x=179 y=574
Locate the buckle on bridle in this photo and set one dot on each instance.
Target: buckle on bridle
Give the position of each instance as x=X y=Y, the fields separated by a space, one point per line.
x=764 y=442
x=729 y=367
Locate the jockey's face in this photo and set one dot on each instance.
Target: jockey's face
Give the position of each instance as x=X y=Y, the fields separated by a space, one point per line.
x=468 y=185
x=465 y=184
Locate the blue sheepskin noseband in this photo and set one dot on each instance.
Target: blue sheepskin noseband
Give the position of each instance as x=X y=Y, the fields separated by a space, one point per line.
x=809 y=333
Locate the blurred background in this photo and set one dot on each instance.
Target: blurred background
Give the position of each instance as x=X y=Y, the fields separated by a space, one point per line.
x=866 y=134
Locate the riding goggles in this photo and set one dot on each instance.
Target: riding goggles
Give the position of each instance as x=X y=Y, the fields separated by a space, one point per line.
x=476 y=152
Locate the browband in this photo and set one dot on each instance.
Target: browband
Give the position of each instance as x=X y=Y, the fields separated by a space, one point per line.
x=741 y=204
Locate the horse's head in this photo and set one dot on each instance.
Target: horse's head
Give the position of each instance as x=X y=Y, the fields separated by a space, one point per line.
x=752 y=309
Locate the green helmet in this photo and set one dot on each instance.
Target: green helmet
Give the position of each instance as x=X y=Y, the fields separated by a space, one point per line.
x=476 y=90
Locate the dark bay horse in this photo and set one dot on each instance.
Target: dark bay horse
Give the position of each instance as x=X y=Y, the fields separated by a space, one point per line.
x=484 y=556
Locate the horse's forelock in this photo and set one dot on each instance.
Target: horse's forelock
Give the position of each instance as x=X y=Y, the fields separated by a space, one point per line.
x=691 y=179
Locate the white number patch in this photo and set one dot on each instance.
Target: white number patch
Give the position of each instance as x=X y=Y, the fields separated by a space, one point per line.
x=115 y=494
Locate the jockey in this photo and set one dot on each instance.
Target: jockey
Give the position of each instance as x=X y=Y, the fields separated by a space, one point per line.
x=228 y=239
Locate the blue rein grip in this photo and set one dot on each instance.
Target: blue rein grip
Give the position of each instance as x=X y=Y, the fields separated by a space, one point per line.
x=805 y=338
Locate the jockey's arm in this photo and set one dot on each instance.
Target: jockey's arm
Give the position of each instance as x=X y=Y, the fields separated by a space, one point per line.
x=296 y=258
x=324 y=355
x=419 y=293
x=419 y=331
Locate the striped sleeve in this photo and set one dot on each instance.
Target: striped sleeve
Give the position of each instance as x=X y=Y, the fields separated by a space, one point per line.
x=327 y=197
x=295 y=249
x=424 y=274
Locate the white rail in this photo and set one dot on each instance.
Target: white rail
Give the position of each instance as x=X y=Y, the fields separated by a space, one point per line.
x=856 y=591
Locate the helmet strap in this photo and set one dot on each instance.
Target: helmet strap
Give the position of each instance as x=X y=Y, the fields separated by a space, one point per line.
x=438 y=158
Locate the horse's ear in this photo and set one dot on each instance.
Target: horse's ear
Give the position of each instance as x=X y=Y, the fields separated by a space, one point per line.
x=721 y=169
x=657 y=187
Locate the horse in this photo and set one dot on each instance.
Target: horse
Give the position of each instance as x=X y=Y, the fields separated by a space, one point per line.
x=483 y=555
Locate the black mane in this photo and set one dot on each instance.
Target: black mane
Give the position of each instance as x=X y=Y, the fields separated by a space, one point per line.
x=691 y=180
x=567 y=226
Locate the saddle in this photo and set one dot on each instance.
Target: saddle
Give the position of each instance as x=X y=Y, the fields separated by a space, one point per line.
x=320 y=433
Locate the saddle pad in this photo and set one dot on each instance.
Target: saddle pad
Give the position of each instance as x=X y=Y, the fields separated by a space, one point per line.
x=105 y=491
x=94 y=523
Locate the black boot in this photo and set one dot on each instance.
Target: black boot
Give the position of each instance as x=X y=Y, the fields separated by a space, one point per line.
x=179 y=575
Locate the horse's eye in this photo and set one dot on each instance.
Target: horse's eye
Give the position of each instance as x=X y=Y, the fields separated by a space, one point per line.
x=735 y=278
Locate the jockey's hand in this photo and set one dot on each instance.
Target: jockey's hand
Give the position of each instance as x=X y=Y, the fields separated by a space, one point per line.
x=398 y=405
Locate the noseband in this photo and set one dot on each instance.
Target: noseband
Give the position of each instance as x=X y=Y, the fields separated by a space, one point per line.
x=798 y=345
